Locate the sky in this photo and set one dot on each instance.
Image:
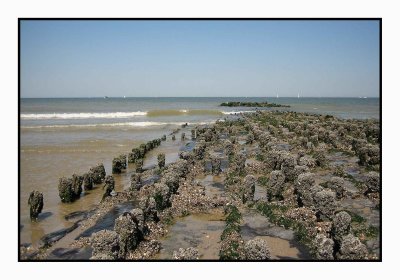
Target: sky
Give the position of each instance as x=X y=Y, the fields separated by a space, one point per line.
x=199 y=58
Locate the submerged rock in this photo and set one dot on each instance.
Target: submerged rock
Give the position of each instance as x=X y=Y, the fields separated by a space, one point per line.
x=257 y=249
x=186 y=254
x=98 y=173
x=35 y=203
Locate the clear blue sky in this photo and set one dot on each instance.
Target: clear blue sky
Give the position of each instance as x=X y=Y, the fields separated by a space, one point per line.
x=199 y=58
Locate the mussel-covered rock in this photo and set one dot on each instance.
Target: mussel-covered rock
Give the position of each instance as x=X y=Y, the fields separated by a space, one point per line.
x=275 y=184
x=122 y=158
x=162 y=196
x=116 y=166
x=257 y=249
x=136 y=182
x=337 y=185
x=373 y=182
x=149 y=207
x=87 y=181
x=323 y=247
x=65 y=190
x=98 y=173
x=161 y=160
x=126 y=226
x=215 y=165
x=288 y=163
x=105 y=244
x=248 y=189
x=351 y=248
x=77 y=181
x=35 y=203
x=341 y=226
x=109 y=185
x=139 y=165
x=134 y=156
x=325 y=203
x=186 y=254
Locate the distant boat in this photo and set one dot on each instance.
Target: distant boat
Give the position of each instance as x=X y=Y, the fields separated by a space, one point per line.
x=277 y=96
x=298 y=95
x=105 y=97
x=124 y=96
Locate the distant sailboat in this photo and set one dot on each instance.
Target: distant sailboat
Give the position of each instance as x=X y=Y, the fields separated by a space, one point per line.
x=124 y=96
x=298 y=95
x=277 y=96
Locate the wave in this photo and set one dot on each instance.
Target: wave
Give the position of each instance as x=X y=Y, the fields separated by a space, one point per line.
x=121 y=124
x=183 y=112
x=113 y=115
x=125 y=115
x=236 y=112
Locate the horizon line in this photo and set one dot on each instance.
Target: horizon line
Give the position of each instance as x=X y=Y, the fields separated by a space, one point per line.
x=122 y=97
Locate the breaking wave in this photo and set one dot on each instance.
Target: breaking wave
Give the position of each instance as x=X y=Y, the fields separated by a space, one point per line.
x=65 y=116
x=120 y=124
x=125 y=115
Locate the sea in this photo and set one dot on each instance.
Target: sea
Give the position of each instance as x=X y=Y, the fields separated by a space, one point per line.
x=64 y=136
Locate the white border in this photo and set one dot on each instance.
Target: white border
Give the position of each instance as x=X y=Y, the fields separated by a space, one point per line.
x=11 y=10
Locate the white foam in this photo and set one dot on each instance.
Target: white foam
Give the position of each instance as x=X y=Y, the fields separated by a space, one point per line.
x=113 y=115
x=122 y=124
x=236 y=112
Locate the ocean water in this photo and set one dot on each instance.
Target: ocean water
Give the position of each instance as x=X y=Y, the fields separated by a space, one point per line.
x=60 y=137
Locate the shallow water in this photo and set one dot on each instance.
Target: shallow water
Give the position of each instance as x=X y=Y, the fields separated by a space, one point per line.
x=202 y=231
x=42 y=167
x=281 y=241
